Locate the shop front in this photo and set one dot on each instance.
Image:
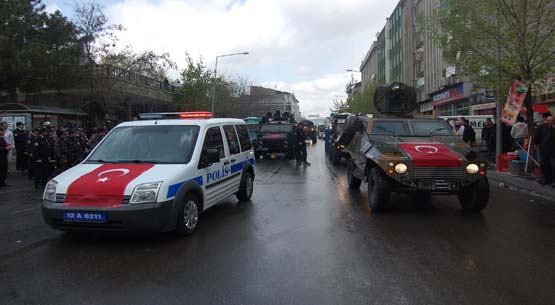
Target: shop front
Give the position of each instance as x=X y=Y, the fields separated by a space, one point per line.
x=453 y=101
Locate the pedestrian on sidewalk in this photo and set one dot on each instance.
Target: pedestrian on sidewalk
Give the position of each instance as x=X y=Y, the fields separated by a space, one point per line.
x=519 y=132
x=545 y=140
x=488 y=136
x=468 y=133
x=5 y=147
x=8 y=136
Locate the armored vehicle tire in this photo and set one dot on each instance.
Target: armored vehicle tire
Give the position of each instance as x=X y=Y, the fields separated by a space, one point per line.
x=246 y=187
x=188 y=216
x=335 y=156
x=354 y=182
x=474 y=198
x=379 y=190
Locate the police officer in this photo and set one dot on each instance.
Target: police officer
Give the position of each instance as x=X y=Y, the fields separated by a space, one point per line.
x=29 y=152
x=41 y=158
x=71 y=149
x=53 y=153
x=20 y=139
x=300 y=145
x=4 y=149
x=100 y=134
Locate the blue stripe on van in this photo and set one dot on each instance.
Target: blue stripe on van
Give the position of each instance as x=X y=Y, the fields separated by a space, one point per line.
x=173 y=189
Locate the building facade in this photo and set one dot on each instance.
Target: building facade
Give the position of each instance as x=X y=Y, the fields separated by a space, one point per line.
x=259 y=101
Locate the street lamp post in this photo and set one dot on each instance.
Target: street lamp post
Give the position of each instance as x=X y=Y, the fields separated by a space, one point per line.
x=216 y=74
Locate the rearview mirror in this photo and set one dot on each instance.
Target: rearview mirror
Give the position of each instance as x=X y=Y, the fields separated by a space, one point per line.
x=212 y=155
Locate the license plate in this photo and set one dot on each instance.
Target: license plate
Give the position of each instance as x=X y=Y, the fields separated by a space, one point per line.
x=85 y=217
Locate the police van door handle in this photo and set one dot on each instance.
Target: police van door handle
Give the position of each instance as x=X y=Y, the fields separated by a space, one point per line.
x=226 y=162
x=232 y=160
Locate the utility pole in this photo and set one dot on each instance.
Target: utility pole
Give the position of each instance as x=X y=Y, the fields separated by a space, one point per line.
x=498 y=110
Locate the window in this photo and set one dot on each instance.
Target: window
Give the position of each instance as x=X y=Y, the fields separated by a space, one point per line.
x=231 y=137
x=244 y=138
x=148 y=144
x=426 y=128
x=213 y=140
x=390 y=127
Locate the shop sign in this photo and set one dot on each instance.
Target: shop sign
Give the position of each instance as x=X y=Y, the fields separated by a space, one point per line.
x=448 y=95
x=483 y=106
x=513 y=106
x=427 y=106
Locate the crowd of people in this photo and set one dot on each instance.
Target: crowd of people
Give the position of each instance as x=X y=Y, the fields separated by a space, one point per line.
x=43 y=152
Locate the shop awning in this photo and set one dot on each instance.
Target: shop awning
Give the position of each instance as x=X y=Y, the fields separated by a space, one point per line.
x=40 y=109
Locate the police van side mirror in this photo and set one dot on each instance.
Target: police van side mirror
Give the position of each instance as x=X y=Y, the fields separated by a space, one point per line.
x=212 y=155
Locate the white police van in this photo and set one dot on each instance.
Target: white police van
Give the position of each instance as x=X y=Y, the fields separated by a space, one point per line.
x=157 y=174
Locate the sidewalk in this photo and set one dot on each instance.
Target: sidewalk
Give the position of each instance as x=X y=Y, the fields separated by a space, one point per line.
x=526 y=184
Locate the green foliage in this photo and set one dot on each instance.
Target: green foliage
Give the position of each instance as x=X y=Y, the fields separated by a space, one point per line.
x=363 y=102
x=472 y=33
x=196 y=92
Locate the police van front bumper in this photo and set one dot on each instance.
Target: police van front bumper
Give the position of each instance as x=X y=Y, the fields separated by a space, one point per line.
x=150 y=217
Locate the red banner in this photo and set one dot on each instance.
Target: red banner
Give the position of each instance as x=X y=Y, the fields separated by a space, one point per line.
x=512 y=107
x=104 y=186
x=431 y=155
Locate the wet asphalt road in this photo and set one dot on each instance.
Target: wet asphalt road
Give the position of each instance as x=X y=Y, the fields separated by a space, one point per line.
x=304 y=239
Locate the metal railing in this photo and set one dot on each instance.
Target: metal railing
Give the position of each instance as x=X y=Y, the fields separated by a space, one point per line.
x=135 y=78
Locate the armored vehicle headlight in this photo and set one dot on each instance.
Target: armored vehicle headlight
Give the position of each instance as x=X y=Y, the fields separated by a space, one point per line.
x=472 y=168
x=401 y=168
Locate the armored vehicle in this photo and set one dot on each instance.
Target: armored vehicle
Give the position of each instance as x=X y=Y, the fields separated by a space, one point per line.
x=334 y=150
x=417 y=155
x=273 y=136
x=311 y=131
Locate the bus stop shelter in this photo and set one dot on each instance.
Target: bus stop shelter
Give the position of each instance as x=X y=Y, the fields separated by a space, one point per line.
x=34 y=115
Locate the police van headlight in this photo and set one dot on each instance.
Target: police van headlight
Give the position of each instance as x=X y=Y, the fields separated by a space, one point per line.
x=50 y=191
x=401 y=168
x=472 y=168
x=145 y=193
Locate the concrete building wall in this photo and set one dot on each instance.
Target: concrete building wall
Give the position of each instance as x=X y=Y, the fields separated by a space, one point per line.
x=262 y=100
x=369 y=66
x=408 y=42
x=434 y=65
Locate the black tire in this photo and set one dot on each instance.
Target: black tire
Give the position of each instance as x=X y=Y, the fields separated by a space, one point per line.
x=379 y=190
x=354 y=182
x=474 y=198
x=314 y=140
x=184 y=227
x=246 y=187
x=335 y=156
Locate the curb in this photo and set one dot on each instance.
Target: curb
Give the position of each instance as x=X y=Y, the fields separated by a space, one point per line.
x=522 y=185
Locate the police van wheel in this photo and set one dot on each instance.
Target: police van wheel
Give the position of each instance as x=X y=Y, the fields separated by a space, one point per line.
x=246 y=187
x=474 y=198
x=354 y=182
x=188 y=216
x=379 y=190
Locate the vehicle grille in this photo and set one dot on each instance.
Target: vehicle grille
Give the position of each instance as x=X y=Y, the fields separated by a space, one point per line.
x=60 y=198
x=438 y=173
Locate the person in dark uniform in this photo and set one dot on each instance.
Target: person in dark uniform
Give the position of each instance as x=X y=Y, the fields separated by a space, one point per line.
x=52 y=152
x=20 y=139
x=71 y=150
x=100 y=134
x=291 y=140
x=545 y=140
x=41 y=157
x=300 y=145
x=4 y=149
x=29 y=152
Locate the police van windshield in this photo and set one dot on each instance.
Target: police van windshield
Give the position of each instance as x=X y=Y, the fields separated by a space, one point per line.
x=147 y=144
x=276 y=128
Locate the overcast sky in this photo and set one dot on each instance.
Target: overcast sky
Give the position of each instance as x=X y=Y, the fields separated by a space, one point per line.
x=303 y=47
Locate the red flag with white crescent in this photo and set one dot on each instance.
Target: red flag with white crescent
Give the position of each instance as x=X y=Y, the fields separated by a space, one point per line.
x=431 y=155
x=104 y=186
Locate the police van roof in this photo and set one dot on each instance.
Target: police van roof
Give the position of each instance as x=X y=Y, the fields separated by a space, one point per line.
x=198 y=122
